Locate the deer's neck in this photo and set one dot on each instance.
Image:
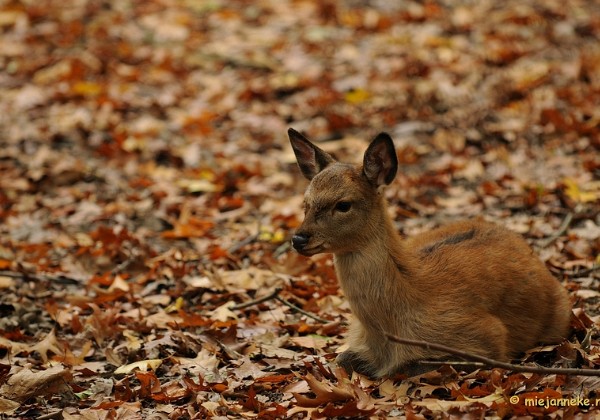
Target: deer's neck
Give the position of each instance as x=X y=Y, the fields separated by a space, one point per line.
x=378 y=279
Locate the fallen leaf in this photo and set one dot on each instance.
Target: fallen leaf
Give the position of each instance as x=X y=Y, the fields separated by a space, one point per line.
x=324 y=393
x=27 y=383
x=223 y=312
x=6 y=282
x=143 y=365
x=310 y=341
x=8 y=407
x=581 y=194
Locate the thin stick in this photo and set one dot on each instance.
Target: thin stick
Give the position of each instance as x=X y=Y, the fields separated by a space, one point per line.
x=491 y=362
x=275 y=295
x=302 y=311
x=256 y=301
x=248 y=240
x=583 y=271
x=561 y=230
x=60 y=278
x=452 y=363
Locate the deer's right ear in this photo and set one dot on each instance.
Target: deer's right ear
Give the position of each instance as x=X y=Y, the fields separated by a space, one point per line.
x=311 y=159
x=380 y=163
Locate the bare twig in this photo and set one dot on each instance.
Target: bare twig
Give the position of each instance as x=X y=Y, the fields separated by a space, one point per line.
x=281 y=248
x=122 y=266
x=491 y=362
x=452 y=363
x=61 y=278
x=583 y=272
x=302 y=311
x=561 y=230
x=256 y=301
x=275 y=295
x=246 y=241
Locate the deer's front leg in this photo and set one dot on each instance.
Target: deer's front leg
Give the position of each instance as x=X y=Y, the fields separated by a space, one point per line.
x=354 y=362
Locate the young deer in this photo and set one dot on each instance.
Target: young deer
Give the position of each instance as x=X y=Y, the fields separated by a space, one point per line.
x=471 y=285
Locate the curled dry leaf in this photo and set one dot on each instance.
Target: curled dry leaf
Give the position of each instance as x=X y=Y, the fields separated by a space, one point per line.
x=27 y=383
x=324 y=393
x=49 y=344
x=142 y=365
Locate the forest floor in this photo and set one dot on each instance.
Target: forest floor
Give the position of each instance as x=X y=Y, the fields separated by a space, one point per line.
x=148 y=191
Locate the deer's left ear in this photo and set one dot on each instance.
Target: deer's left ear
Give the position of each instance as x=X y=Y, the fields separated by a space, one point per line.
x=311 y=159
x=380 y=163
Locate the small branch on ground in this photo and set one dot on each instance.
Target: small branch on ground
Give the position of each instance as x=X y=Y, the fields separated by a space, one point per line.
x=302 y=311
x=275 y=295
x=257 y=301
x=583 y=272
x=455 y=363
x=122 y=266
x=248 y=240
x=561 y=230
x=491 y=362
x=60 y=278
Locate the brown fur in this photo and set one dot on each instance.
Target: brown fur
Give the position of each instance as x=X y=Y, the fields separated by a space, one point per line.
x=471 y=285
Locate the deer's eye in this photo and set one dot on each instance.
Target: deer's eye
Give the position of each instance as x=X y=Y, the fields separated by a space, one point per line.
x=343 y=206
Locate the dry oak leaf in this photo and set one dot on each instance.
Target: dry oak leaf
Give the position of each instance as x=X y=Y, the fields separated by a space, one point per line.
x=26 y=383
x=142 y=365
x=48 y=344
x=324 y=392
x=8 y=407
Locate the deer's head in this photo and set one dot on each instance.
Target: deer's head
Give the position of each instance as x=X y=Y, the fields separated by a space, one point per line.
x=343 y=203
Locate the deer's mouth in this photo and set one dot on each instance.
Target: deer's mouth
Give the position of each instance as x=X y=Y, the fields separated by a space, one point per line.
x=311 y=250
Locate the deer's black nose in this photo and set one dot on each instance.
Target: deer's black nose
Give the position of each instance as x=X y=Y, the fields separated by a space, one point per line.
x=299 y=241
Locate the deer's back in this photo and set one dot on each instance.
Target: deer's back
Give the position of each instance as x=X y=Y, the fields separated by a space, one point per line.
x=485 y=268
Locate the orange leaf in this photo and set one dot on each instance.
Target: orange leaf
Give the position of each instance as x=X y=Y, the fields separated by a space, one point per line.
x=70 y=359
x=275 y=378
x=193 y=228
x=149 y=383
x=172 y=391
x=86 y=88
x=324 y=393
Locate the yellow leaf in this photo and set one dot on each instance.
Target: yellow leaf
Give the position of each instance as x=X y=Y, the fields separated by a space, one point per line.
x=175 y=307
x=87 y=88
x=198 y=185
x=585 y=194
x=264 y=235
x=143 y=365
x=278 y=236
x=357 y=96
x=267 y=235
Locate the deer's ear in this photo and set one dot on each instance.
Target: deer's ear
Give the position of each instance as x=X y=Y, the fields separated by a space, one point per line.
x=380 y=163
x=311 y=159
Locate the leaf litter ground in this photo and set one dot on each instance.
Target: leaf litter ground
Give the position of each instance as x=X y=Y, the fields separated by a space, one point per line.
x=148 y=192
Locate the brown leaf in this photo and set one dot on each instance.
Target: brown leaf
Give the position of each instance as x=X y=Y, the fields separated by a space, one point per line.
x=8 y=407
x=27 y=383
x=191 y=228
x=149 y=383
x=324 y=392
